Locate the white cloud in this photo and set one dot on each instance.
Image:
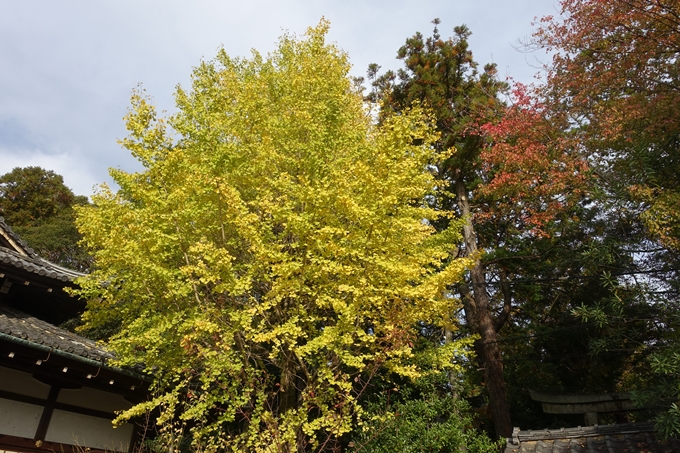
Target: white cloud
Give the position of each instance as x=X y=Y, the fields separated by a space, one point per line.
x=78 y=175
x=69 y=66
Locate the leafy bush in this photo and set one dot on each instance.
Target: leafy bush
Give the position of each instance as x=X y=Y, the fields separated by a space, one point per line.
x=426 y=417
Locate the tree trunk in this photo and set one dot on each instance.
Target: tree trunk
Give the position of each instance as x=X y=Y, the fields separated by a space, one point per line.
x=293 y=381
x=452 y=375
x=288 y=394
x=483 y=323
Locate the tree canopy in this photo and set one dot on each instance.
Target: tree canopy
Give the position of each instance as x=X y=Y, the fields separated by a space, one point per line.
x=276 y=251
x=615 y=74
x=37 y=204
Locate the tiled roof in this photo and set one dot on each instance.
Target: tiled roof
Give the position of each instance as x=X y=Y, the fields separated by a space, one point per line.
x=37 y=265
x=24 y=327
x=621 y=438
x=25 y=258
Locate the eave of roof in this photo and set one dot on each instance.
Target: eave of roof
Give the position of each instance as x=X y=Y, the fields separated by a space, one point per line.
x=15 y=240
x=38 y=266
x=20 y=328
x=26 y=331
x=26 y=259
x=19 y=325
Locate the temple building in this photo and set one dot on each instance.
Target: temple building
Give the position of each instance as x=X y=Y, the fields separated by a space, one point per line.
x=58 y=391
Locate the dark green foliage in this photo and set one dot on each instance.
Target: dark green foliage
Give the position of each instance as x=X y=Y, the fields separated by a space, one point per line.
x=586 y=316
x=32 y=194
x=39 y=207
x=424 y=417
x=442 y=75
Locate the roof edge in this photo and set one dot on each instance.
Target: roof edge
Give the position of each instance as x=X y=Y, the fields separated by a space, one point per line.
x=71 y=356
x=15 y=240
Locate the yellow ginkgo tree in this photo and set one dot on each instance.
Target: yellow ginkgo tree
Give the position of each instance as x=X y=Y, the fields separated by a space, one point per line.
x=274 y=254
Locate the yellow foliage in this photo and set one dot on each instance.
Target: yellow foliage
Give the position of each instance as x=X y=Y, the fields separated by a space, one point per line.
x=277 y=241
x=662 y=216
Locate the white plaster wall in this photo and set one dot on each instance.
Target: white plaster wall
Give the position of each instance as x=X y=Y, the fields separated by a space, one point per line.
x=86 y=431
x=93 y=399
x=22 y=383
x=19 y=419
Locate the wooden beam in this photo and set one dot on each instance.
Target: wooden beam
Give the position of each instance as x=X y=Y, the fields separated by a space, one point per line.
x=585 y=408
x=48 y=409
x=542 y=397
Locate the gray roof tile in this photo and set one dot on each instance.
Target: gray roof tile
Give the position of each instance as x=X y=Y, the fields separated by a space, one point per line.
x=38 y=265
x=621 y=438
x=25 y=258
x=20 y=325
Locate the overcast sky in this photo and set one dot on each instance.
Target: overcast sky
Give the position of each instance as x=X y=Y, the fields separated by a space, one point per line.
x=68 y=67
